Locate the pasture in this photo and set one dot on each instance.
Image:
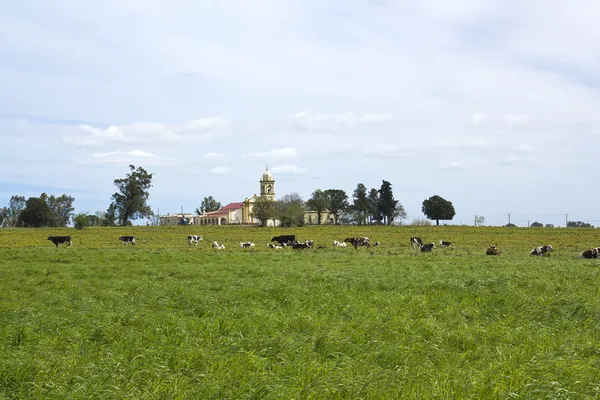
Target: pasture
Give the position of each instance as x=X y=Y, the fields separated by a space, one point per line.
x=163 y=319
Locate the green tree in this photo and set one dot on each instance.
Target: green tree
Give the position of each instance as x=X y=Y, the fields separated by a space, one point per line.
x=374 y=213
x=35 y=214
x=290 y=209
x=479 y=220
x=338 y=202
x=579 y=224
x=360 y=203
x=4 y=216
x=436 y=208
x=264 y=209
x=536 y=225
x=81 y=220
x=61 y=209
x=109 y=218
x=319 y=201
x=209 y=204
x=93 y=219
x=389 y=208
x=16 y=204
x=131 y=199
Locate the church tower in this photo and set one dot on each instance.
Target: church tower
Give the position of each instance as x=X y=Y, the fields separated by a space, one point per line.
x=267 y=185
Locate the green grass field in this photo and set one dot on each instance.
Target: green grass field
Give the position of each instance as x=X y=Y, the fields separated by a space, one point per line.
x=163 y=320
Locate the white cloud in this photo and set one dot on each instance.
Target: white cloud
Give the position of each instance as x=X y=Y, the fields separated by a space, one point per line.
x=288 y=169
x=214 y=156
x=200 y=130
x=283 y=153
x=329 y=122
x=219 y=170
x=126 y=158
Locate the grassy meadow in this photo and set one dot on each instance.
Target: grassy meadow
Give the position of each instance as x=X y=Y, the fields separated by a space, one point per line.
x=164 y=320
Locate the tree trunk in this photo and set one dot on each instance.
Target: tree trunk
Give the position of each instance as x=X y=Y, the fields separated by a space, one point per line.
x=437 y=222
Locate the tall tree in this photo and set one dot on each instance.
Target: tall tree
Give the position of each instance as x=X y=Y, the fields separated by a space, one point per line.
x=290 y=209
x=318 y=202
x=61 y=209
x=388 y=206
x=360 y=201
x=374 y=213
x=436 y=208
x=338 y=202
x=16 y=204
x=131 y=199
x=209 y=204
x=35 y=214
x=109 y=218
x=4 y=216
x=264 y=209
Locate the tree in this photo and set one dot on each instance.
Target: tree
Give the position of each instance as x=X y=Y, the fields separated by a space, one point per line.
x=436 y=208
x=264 y=209
x=536 y=225
x=131 y=199
x=209 y=204
x=374 y=213
x=338 y=202
x=549 y=225
x=4 y=216
x=360 y=201
x=510 y=226
x=290 y=209
x=92 y=220
x=61 y=209
x=389 y=208
x=16 y=204
x=578 y=224
x=110 y=216
x=479 y=220
x=318 y=202
x=81 y=220
x=35 y=214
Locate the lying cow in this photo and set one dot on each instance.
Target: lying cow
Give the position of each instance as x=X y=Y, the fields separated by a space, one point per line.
x=127 y=239
x=310 y=243
x=445 y=244
x=590 y=253
x=194 y=239
x=416 y=242
x=376 y=244
x=246 y=244
x=274 y=246
x=284 y=239
x=304 y=245
x=216 y=245
x=60 y=239
x=427 y=247
x=338 y=244
x=359 y=241
x=541 y=250
x=492 y=251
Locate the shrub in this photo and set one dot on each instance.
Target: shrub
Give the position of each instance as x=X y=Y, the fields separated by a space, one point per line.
x=80 y=221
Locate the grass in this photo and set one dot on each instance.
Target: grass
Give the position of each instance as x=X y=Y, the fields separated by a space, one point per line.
x=165 y=320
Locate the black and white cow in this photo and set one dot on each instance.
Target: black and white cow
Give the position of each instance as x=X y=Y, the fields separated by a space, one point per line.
x=359 y=241
x=304 y=245
x=284 y=239
x=590 y=253
x=60 y=239
x=246 y=244
x=416 y=242
x=127 y=239
x=274 y=246
x=216 y=245
x=310 y=243
x=339 y=244
x=194 y=239
x=541 y=250
x=427 y=247
x=445 y=244
x=376 y=244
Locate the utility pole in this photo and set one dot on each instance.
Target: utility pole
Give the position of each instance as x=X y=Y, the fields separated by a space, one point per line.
x=509 y=218
x=566 y=220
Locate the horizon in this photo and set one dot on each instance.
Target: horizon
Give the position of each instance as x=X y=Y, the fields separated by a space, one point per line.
x=488 y=104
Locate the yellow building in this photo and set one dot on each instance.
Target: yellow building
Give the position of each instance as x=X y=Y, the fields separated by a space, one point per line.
x=312 y=218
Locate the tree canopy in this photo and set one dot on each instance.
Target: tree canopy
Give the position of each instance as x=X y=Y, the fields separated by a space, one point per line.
x=319 y=201
x=360 y=203
x=290 y=210
x=264 y=209
x=35 y=214
x=388 y=207
x=209 y=204
x=131 y=199
x=436 y=208
x=337 y=200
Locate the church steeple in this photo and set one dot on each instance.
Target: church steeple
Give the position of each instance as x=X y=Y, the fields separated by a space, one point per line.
x=267 y=185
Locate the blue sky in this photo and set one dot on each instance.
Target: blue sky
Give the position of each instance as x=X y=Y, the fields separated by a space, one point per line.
x=490 y=104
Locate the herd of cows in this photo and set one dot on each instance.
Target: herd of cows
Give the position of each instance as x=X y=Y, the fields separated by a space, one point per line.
x=290 y=241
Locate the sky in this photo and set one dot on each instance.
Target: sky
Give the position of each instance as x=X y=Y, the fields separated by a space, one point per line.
x=492 y=105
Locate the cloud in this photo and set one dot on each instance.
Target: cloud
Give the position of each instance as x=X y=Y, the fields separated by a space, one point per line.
x=126 y=158
x=453 y=165
x=283 y=153
x=200 y=130
x=213 y=156
x=288 y=169
x=328 y=122
x=219 y=170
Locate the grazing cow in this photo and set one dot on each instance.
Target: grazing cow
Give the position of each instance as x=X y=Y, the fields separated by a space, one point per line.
x=194 y=239
x=416 y=242
x=359 y=241
x=445 y=244
x=216 y=245
x=127 y=239
x=541 y=250
x=246 y=244
x=339 y=244
x=427 y=247
x=274 y=246
x=310 y=243
x=304 y=245
x=376 y=244
x=284 y=239
x=492 y=251
x=60 y=239
x=590 y=253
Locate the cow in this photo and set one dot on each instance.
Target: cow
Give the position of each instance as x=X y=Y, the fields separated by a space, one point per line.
x=304 y=245
x=60 y=239
x=590 y=253
x=284 y=239
x=416 y=242
x=194 y=239
x=216 y=245
x=541 y=250
x=310 y=243
x=427 y=247
x=127 y=239
x=445 y=244
x=274 y=246
x=246 y=244
x=492 y=251
x=359 y=241
x=376 y=244
x=339 y=244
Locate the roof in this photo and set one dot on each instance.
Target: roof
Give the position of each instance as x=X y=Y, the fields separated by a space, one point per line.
x=225 y=210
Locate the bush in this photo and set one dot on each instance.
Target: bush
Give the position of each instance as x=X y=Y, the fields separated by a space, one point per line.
x=80 y=221
x=421 y=222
